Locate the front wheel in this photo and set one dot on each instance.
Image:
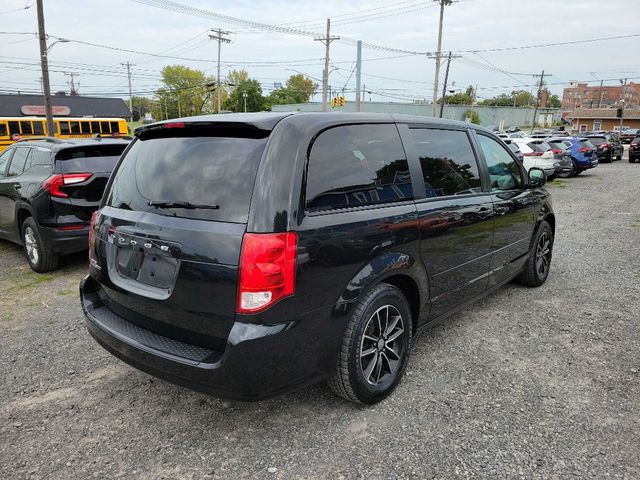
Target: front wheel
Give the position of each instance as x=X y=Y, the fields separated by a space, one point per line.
x=375 y=346
x=536 y=270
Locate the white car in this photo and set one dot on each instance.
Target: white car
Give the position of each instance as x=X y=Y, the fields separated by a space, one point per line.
x=536 y=153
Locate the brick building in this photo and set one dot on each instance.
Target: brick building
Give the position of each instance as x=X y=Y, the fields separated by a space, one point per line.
x=583 y=95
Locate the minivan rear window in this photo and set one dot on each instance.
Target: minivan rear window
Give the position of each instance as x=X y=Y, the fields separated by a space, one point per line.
x=90 y=159
x=597 y=140
x=196 y=167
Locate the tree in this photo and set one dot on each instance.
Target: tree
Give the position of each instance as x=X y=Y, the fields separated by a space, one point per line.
x=523 y=98
x=502 y=100
x=184 y=93
x=460 y=98
x=254 y=99
x=141 y=106
x=298 y=89
x=554 y=101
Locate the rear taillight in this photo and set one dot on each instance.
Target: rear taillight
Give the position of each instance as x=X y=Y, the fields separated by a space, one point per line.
x=555 y=151
x=604 y=145
x=94 y=218
x=267 y=270
x=55 y=182
x=533 y=154
x=635 y=144
x=583 y=149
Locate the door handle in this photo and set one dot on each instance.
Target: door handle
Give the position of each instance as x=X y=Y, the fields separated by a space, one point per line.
x=502 y=210
x=484 y=212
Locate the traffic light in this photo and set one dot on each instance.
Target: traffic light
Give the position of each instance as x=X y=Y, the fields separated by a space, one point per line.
x=619 y=113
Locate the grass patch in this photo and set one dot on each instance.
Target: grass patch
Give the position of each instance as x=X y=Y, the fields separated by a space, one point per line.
x=558 y=183
x=68 y=292
x=27 y=279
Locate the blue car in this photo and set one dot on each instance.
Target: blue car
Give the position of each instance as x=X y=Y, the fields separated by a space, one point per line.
x=582 y=153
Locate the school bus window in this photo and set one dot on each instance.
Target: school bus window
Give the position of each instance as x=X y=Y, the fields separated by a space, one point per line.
x=38 y=128
x=64 y=128
x=75 y=127
x=14 y=127
x=114 y=127
x=26 y=128
x=105 y=127
x=3 y=129
x=84 y=127
x=95 y=127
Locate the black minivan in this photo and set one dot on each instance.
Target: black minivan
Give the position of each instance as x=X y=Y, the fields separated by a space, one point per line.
x=246 y=255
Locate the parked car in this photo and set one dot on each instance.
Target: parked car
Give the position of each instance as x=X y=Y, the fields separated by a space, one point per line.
x=629 y=134
x=608 y=147
x=270 y=251
x=537 y=153
x=582 y=153
x=634 y=150
x=49 y=188
x=514 y=148
x=560 y=149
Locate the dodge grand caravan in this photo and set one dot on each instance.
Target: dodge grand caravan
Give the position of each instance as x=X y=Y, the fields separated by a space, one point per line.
x=246 y=255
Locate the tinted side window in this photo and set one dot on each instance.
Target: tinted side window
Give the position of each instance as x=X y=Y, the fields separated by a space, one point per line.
x=26 y=128
x=95 y=127
x=114 y=127
x=448 y=164
x=14 y=127
x=3 y=129
x=105 y=127
x=355 y=165
x=18 y=161
x=504 y=172
x=38 y=128
x=75 y=127
x=64 y=128
x=39 y=156
x=4 y=160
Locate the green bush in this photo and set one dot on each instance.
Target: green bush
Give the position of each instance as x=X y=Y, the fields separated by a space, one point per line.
x=475 y=118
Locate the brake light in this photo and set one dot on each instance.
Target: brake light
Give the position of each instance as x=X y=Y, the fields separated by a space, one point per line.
x=635 y=144
x=173 y=125
x=55 y=182
x=555 y=151
x=604 y=145
x=92 y=223
x=533 y=154
x=267 y=270
x=583 y=149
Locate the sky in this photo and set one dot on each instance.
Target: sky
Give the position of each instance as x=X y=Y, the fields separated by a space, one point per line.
x=397 y=71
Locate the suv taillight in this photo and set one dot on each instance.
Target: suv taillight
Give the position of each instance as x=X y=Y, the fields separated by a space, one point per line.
x=58 y=180
x=555 y=151
x=604 y=145
x=267 y=270
x=92 y=224
x=583 y=149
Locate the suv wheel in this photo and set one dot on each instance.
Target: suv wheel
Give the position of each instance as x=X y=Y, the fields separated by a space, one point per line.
x=536 y=270
x=40 y=260
x=570 y=173
x=375 y=346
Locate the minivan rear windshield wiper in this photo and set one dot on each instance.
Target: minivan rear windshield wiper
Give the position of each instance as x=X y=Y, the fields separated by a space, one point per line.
x=178 y=204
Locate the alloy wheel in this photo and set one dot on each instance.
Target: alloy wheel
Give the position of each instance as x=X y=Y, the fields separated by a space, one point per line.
x=31 y=244
x=543 y=255
x=382 y=345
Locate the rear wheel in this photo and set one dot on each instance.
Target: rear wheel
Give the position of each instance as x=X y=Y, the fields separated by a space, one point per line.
x=632 y=159
x=40 y=259
x=375 y=346
x=536 y=270
x=568 y=174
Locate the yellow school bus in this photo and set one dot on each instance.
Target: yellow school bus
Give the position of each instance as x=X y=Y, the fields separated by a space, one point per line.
x=13 y=129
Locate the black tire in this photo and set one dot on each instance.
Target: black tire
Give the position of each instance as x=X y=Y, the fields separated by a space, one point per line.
x=632 y=159
x=362 y=347
x=38 y=255
x=609 y=158
x=570 y=173
x=536 y=270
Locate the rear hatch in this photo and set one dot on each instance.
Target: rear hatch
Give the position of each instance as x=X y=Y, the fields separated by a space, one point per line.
x=169 y=235
x=80 y=176
x=586 y=148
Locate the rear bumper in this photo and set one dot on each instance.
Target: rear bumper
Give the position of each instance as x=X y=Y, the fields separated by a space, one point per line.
x=65 y=241
x=259 y=361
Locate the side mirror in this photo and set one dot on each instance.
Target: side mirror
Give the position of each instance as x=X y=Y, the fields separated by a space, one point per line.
x=537 y=177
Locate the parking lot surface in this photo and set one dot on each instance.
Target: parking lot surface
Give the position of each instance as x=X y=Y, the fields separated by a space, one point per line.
x=529 y=383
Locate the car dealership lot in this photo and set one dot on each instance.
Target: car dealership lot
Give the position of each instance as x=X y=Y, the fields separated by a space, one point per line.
x=531 y=383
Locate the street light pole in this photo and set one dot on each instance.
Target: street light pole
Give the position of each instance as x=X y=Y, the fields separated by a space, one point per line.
x=624 y=87
x=44 y=63
x=244 y=95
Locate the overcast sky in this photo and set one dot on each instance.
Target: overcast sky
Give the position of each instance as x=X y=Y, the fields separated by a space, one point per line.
x=406 y=25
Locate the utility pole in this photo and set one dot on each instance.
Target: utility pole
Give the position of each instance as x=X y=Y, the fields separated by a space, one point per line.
x=244 y=96
x=624 y=88
x=358 y=74
x=446 y=79
x=179 y=109
x=601 y=92
x=326 y=40
x=129 y=65
x=535 y=111
x=443 y=3
x=44 y=63
x=73 y=91
x=220 y=36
